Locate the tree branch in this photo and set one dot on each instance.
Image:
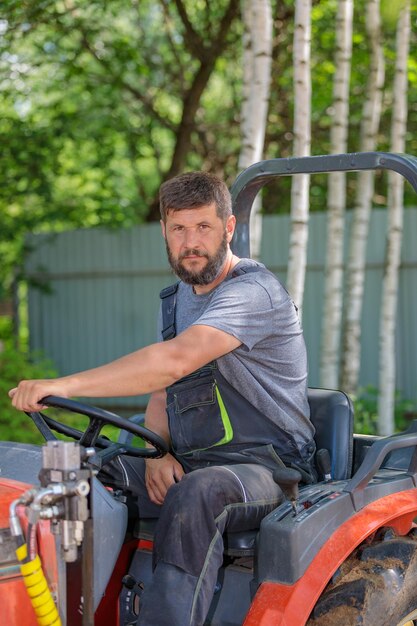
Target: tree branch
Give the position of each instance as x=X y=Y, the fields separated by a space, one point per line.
x=192 y=39
x=193 y=97
x=117 y=79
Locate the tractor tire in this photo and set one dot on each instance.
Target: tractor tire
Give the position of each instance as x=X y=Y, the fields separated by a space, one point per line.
x=377 y=585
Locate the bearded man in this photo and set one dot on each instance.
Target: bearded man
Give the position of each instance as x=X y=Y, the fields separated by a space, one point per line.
x=228 y=384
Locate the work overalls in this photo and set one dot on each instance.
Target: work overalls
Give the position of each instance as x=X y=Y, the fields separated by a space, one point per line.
x=228 y=484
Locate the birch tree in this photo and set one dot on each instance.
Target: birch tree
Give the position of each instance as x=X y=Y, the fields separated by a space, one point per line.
x=257 y=52
x=302 y=140
x=387 y=354
x=371 y=114
x=336 y=202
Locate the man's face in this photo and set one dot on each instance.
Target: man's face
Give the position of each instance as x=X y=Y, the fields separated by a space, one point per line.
x=197 y=243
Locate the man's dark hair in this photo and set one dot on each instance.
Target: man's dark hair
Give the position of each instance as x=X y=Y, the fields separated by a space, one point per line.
x=193 y=190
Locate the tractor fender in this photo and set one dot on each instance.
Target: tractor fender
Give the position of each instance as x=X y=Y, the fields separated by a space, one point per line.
x=276 y=604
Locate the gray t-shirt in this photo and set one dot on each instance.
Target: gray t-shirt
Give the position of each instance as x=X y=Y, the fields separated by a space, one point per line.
x=269 y=368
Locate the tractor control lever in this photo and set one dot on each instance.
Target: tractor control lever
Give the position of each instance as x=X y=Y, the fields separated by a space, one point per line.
x=287 y=479
x=324 y=464
x=131 y=583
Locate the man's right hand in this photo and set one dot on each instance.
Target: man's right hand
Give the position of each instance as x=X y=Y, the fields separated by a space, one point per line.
x=27 y=395
x=160 y=475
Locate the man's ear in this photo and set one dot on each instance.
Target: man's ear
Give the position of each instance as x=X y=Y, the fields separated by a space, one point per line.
x=163 y=228
x=230 y=227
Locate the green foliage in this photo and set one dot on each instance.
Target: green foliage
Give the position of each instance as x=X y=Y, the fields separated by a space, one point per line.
x=91 y=102
x=99 y=101
x=390 y=10
x=15 y=366
x=366 y=411
x=16 y=425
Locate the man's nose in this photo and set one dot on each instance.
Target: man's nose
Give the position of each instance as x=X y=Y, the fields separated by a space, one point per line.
x=191 y=239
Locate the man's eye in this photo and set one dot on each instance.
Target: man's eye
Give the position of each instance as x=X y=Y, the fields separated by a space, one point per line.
x=204 y=226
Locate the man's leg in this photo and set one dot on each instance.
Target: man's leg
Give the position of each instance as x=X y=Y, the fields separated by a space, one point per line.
x=188 y=547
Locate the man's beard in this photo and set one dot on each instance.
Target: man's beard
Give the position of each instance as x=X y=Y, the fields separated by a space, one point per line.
x=209 y=273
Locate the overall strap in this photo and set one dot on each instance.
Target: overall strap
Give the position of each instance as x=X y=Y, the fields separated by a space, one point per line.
x=169 y=300
x=248 y=269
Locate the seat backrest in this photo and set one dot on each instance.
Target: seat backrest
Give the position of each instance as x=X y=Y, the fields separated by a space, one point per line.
x=331 y=413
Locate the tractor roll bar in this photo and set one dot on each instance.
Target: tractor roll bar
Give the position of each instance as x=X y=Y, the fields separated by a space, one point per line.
x=250 y=181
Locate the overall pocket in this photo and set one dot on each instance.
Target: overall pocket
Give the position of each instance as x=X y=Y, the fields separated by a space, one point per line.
x=197 y=416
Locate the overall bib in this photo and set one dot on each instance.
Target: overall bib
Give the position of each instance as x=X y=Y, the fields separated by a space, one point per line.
x=210 y=420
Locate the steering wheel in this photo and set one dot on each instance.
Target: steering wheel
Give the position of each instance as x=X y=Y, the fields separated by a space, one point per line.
x=98 y=418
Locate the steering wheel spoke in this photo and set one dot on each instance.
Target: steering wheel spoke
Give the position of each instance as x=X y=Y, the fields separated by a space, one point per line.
x=41 y=422
x=90 y=435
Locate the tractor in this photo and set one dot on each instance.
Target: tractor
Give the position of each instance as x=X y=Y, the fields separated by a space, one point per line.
x=341 y=551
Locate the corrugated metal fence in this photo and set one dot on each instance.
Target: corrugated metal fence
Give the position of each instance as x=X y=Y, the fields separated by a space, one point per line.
x=104 y=288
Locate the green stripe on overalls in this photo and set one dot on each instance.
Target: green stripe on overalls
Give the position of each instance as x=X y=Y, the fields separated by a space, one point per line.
x=228 y=429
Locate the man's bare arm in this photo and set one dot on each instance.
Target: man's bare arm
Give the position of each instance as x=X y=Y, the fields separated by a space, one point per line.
x=147 y=370
x=156 y=418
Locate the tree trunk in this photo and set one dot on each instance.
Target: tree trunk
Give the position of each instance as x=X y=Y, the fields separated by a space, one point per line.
x=336 y=203
x=207 y=51
x=351 y=354
x=387 y=353
x=257 y=50
x=302 y=138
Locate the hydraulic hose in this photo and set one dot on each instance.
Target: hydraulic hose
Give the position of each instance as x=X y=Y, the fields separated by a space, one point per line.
x=37 y=588
x=30 y=566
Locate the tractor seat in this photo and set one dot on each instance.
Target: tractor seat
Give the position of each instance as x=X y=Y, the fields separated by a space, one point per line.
x=236 y=544
x=331 y=413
